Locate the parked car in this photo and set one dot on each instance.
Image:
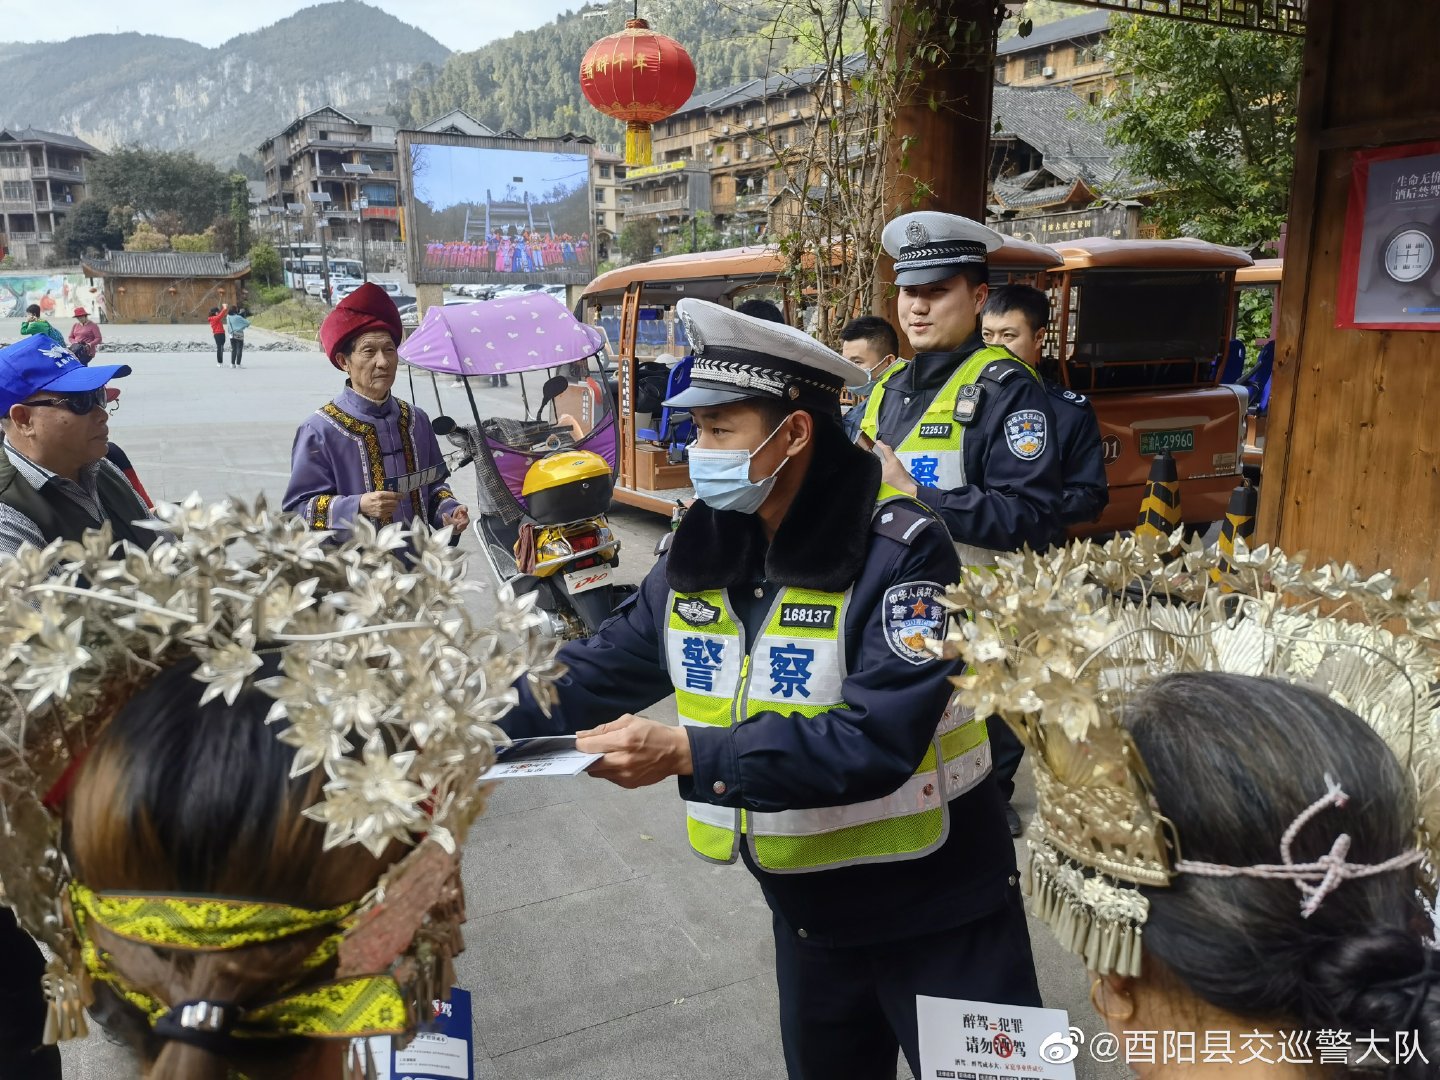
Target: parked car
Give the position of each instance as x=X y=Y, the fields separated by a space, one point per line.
x=474 y=292
x=410 y=310
x=343 y=287
x=521 y=290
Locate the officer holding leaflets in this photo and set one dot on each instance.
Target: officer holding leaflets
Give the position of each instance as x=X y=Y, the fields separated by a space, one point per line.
x=817 y=743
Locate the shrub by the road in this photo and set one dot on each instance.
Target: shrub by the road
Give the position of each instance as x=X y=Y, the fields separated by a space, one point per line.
x=299 y=317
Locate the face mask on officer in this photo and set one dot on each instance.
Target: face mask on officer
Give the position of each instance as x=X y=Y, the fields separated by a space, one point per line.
x=862 y=392
x=721 y=478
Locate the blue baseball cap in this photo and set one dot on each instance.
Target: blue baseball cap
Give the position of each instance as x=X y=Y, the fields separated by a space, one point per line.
x=38 y=363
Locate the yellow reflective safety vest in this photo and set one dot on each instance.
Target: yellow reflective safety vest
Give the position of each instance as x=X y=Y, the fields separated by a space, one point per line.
x=796 y=666
x=933 y=451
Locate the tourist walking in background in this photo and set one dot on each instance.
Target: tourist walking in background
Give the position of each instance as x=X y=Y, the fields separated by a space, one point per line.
x=217 y=327
x=236 y=322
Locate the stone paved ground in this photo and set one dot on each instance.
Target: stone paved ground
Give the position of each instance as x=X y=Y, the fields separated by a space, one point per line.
x=597 y=946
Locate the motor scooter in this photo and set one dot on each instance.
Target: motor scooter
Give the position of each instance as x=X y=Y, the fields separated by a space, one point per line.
x=543 y=483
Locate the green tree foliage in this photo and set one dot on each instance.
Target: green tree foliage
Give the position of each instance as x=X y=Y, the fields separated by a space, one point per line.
x=87 y=230
x=147 y=238
x=270 y=295
x=638 y=239
x=530 y=82
x=233 y=228
x=1212 y=112
x=203 y=241
x=701 y=235
x=155 y=184
x=264 y=262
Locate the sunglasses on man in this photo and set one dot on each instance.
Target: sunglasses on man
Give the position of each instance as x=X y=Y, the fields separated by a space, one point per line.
x=81 y=404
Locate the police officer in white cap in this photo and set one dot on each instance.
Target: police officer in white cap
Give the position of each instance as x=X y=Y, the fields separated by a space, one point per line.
x=964 y=427
x=788 y=619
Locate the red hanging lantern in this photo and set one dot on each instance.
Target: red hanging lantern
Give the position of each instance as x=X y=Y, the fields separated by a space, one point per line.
x=640 y=77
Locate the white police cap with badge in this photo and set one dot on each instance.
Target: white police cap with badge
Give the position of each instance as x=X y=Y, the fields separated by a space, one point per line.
x=929 y=246
x=739 y=357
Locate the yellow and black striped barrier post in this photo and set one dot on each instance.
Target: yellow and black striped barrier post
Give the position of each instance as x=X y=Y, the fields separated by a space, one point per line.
x=1160 y=509
x=1239 y=522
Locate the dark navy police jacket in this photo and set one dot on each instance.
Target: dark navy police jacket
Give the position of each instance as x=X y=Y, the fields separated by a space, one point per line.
x=1006 y=502
x=775 y=761
x=1086 y=492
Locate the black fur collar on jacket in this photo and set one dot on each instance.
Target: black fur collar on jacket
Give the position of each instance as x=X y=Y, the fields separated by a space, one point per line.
x=820 y=544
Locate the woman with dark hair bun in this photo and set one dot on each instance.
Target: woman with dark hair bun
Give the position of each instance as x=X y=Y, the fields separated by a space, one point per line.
x=1238 y=798
x=1235 y=762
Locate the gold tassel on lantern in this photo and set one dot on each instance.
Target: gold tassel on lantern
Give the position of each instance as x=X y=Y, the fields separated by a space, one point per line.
x=638 y=150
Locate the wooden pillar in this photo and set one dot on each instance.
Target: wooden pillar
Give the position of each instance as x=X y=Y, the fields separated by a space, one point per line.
x=946 y=117
x=938 y=155
x=1352 y=455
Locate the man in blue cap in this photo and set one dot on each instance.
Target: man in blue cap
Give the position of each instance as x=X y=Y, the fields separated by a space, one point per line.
x=819 y=743
x=54 y=482
x=54 y=479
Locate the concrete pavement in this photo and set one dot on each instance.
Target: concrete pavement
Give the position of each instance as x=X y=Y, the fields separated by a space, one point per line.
x=597 y=944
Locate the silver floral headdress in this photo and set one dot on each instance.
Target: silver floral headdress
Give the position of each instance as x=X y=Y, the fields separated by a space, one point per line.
x=1057 y=644
x=386 y=682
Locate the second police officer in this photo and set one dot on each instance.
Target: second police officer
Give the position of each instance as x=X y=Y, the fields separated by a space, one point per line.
x=964 y=427
x=788 y=619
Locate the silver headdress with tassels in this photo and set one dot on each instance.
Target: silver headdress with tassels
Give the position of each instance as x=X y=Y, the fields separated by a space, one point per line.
x=388 y=684
x=1058 y=643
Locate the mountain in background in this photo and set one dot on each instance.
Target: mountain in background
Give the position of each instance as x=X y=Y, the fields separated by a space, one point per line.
x=113 y=89
x=529 y=83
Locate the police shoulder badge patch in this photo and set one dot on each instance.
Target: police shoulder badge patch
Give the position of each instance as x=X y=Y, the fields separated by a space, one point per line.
x=912 y=612
x=1025 y=433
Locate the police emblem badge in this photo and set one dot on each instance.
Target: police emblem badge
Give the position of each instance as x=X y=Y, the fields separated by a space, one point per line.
x=917 y=233
x=912 y=612
x=692 y=333
x=1025 y=433
x=695 y=611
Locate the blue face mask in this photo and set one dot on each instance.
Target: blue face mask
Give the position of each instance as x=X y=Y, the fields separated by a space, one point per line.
x=721 y=478
x=862 y=392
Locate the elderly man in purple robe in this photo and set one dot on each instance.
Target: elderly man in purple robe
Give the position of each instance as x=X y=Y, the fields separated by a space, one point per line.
x=367 y=453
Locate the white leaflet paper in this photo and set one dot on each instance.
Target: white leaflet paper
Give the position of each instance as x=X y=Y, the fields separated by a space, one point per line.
x=545 y=755
x=979 y=1040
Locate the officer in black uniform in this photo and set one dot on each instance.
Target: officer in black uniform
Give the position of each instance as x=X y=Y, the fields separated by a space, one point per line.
x=964 y=427
x=788 y=617
x=1018 y=318
x=1008 y=489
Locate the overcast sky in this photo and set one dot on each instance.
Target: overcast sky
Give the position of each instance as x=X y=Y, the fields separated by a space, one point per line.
x=460 y=25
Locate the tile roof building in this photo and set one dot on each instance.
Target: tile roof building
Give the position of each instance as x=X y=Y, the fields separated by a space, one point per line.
x=1069 y=53
x=1049 y=159
x=167 y=286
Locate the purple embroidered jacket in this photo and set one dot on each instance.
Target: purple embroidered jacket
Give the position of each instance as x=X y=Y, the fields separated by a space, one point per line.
x=352 y=446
